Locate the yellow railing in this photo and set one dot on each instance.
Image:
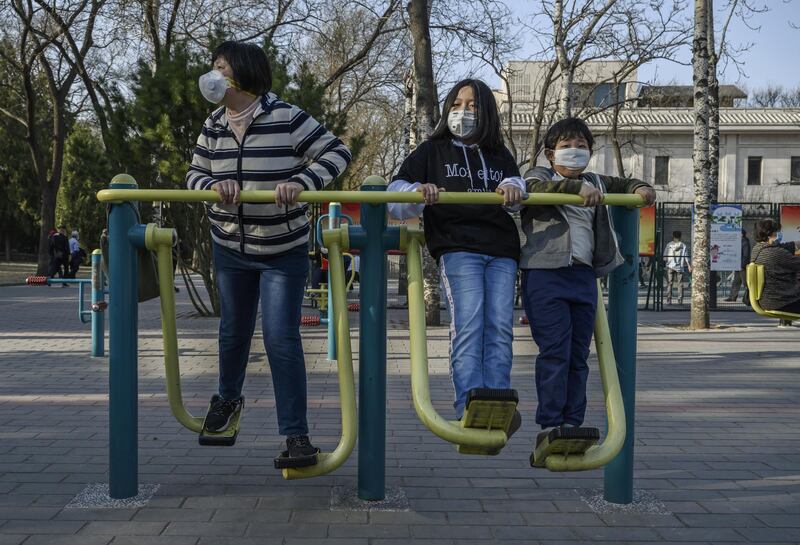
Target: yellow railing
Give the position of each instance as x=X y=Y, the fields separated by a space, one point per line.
x=328 y=462
x=369 y=197
x=451 y=431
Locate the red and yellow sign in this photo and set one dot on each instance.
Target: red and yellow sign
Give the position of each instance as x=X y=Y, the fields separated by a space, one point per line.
x=790 y=224
x=647 y=231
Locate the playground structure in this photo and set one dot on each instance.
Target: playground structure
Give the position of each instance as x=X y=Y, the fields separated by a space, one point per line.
x=373 y=239
x=98 y=302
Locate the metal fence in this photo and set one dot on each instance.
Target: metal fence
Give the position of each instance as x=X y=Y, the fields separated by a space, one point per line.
x=670 y=216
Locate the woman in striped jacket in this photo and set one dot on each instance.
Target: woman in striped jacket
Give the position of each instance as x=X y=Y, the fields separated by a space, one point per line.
x=257 y=141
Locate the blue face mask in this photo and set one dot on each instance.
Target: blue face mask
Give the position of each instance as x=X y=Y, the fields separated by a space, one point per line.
x=779 y=236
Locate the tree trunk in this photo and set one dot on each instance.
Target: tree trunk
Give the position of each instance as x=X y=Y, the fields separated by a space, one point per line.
x=425 y=107
x=615 y=142
x=47 y=212
x=7 y=241
x=700 y=159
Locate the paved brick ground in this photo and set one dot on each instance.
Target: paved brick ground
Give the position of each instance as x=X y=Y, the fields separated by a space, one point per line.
x=717 y=442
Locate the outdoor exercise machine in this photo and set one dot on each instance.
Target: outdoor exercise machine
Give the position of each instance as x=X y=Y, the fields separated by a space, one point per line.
x=98 y=302
x=755 y=286
x=373 y=239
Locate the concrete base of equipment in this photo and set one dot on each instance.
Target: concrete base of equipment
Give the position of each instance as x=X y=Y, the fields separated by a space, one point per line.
x=95 y=496
x=345 y=498
x=644 y=502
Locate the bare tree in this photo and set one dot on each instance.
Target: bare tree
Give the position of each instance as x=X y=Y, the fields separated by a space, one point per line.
x=700 y=158
x=29 y=47
x=426 y=114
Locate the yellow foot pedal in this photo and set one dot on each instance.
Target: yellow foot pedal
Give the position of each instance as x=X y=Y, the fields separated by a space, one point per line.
x=225 y=437
x=564 y=440
x=490 y=409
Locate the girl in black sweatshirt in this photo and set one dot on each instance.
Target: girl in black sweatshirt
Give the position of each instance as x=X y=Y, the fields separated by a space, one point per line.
x=476 y=246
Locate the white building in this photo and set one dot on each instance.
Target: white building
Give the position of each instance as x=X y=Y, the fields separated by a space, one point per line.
x=759 y=147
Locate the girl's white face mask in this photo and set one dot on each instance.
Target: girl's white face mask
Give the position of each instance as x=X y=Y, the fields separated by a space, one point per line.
x=461 y=122
x=572 y=158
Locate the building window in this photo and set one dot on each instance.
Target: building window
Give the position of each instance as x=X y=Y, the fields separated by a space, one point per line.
x=661 y=175
x=754 y=171
x=794 y=176
x=607 y=94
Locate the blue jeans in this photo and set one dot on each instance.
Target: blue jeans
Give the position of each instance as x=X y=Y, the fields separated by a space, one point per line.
x=480 y=297
x=561 y=305
x=280 y=282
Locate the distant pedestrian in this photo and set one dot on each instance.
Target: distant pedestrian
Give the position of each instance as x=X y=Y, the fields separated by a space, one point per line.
x=59 y=262
x=736 y=283
x=677 y=260
x=76 y=255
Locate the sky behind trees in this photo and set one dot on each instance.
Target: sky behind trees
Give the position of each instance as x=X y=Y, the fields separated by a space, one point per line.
x=769 y=58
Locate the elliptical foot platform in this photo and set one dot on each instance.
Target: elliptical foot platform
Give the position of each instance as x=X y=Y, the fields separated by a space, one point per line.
x=226 y=437
x=564 y=440
x=489 y=409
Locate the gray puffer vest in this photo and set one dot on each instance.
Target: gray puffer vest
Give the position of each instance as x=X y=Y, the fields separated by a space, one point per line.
x=547 y=240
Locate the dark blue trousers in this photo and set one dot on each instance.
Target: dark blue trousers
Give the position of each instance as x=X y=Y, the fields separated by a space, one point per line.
x=561 y=305
x=279 y=283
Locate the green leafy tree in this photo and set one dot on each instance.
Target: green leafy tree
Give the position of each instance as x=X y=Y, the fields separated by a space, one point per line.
x=87 y=169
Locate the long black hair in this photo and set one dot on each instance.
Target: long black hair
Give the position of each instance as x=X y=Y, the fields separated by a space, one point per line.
x=249 y=63
x=487 y=129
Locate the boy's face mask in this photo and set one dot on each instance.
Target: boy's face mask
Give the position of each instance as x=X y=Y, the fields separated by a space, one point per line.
x=572 y=158
x=213 y=86
x=461 y=122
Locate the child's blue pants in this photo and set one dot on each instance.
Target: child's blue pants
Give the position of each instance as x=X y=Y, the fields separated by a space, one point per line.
x=561 y=305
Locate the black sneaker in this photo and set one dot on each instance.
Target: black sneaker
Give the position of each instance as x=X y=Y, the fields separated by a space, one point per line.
x=299 y=453
x=299 y=446
x=220 y=413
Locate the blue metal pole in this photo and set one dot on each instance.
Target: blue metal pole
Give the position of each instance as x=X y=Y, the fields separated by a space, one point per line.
x=98 y=304
x=123 y=381
x=372 y=348
x=334 y=214
x=623 y=301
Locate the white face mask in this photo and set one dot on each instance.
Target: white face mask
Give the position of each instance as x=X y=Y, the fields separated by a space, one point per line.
x=213 y=86
x=572 y=158
x=461 y=122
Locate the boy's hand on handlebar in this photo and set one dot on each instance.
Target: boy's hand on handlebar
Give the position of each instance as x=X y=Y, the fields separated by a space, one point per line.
x=591 y=195
x=430 y=192
x=228 y=191
x=647 y=193
x=511 y=194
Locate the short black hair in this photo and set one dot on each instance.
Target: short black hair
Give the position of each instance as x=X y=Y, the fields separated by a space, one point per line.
x=744 y=232
x=250 y=65
x=569 y=127
x=765 y=229
x=62 y=226
x=487 y=129
x=676 y=234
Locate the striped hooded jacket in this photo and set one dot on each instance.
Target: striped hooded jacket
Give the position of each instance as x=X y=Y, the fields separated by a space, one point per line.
x=283 y=143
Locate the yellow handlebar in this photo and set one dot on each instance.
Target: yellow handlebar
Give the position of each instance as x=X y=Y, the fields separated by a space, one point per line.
x=369 y=197
x=420 y=388
x=602 y=454
x=327 y=462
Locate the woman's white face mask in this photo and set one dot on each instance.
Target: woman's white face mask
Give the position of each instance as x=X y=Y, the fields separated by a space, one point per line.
x=461 y=122
x=213 y=86
x=572 y=158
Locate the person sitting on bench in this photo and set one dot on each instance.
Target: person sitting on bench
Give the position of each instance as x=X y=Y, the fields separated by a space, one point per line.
x=781 y=269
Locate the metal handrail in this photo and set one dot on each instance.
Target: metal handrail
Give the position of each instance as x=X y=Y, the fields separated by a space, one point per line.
x=369 y=197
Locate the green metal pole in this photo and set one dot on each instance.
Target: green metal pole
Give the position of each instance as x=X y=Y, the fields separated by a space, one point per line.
x=98 y=296
x=622 y=310
x=372 y=349
x=334 y=213
x=123 y=470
